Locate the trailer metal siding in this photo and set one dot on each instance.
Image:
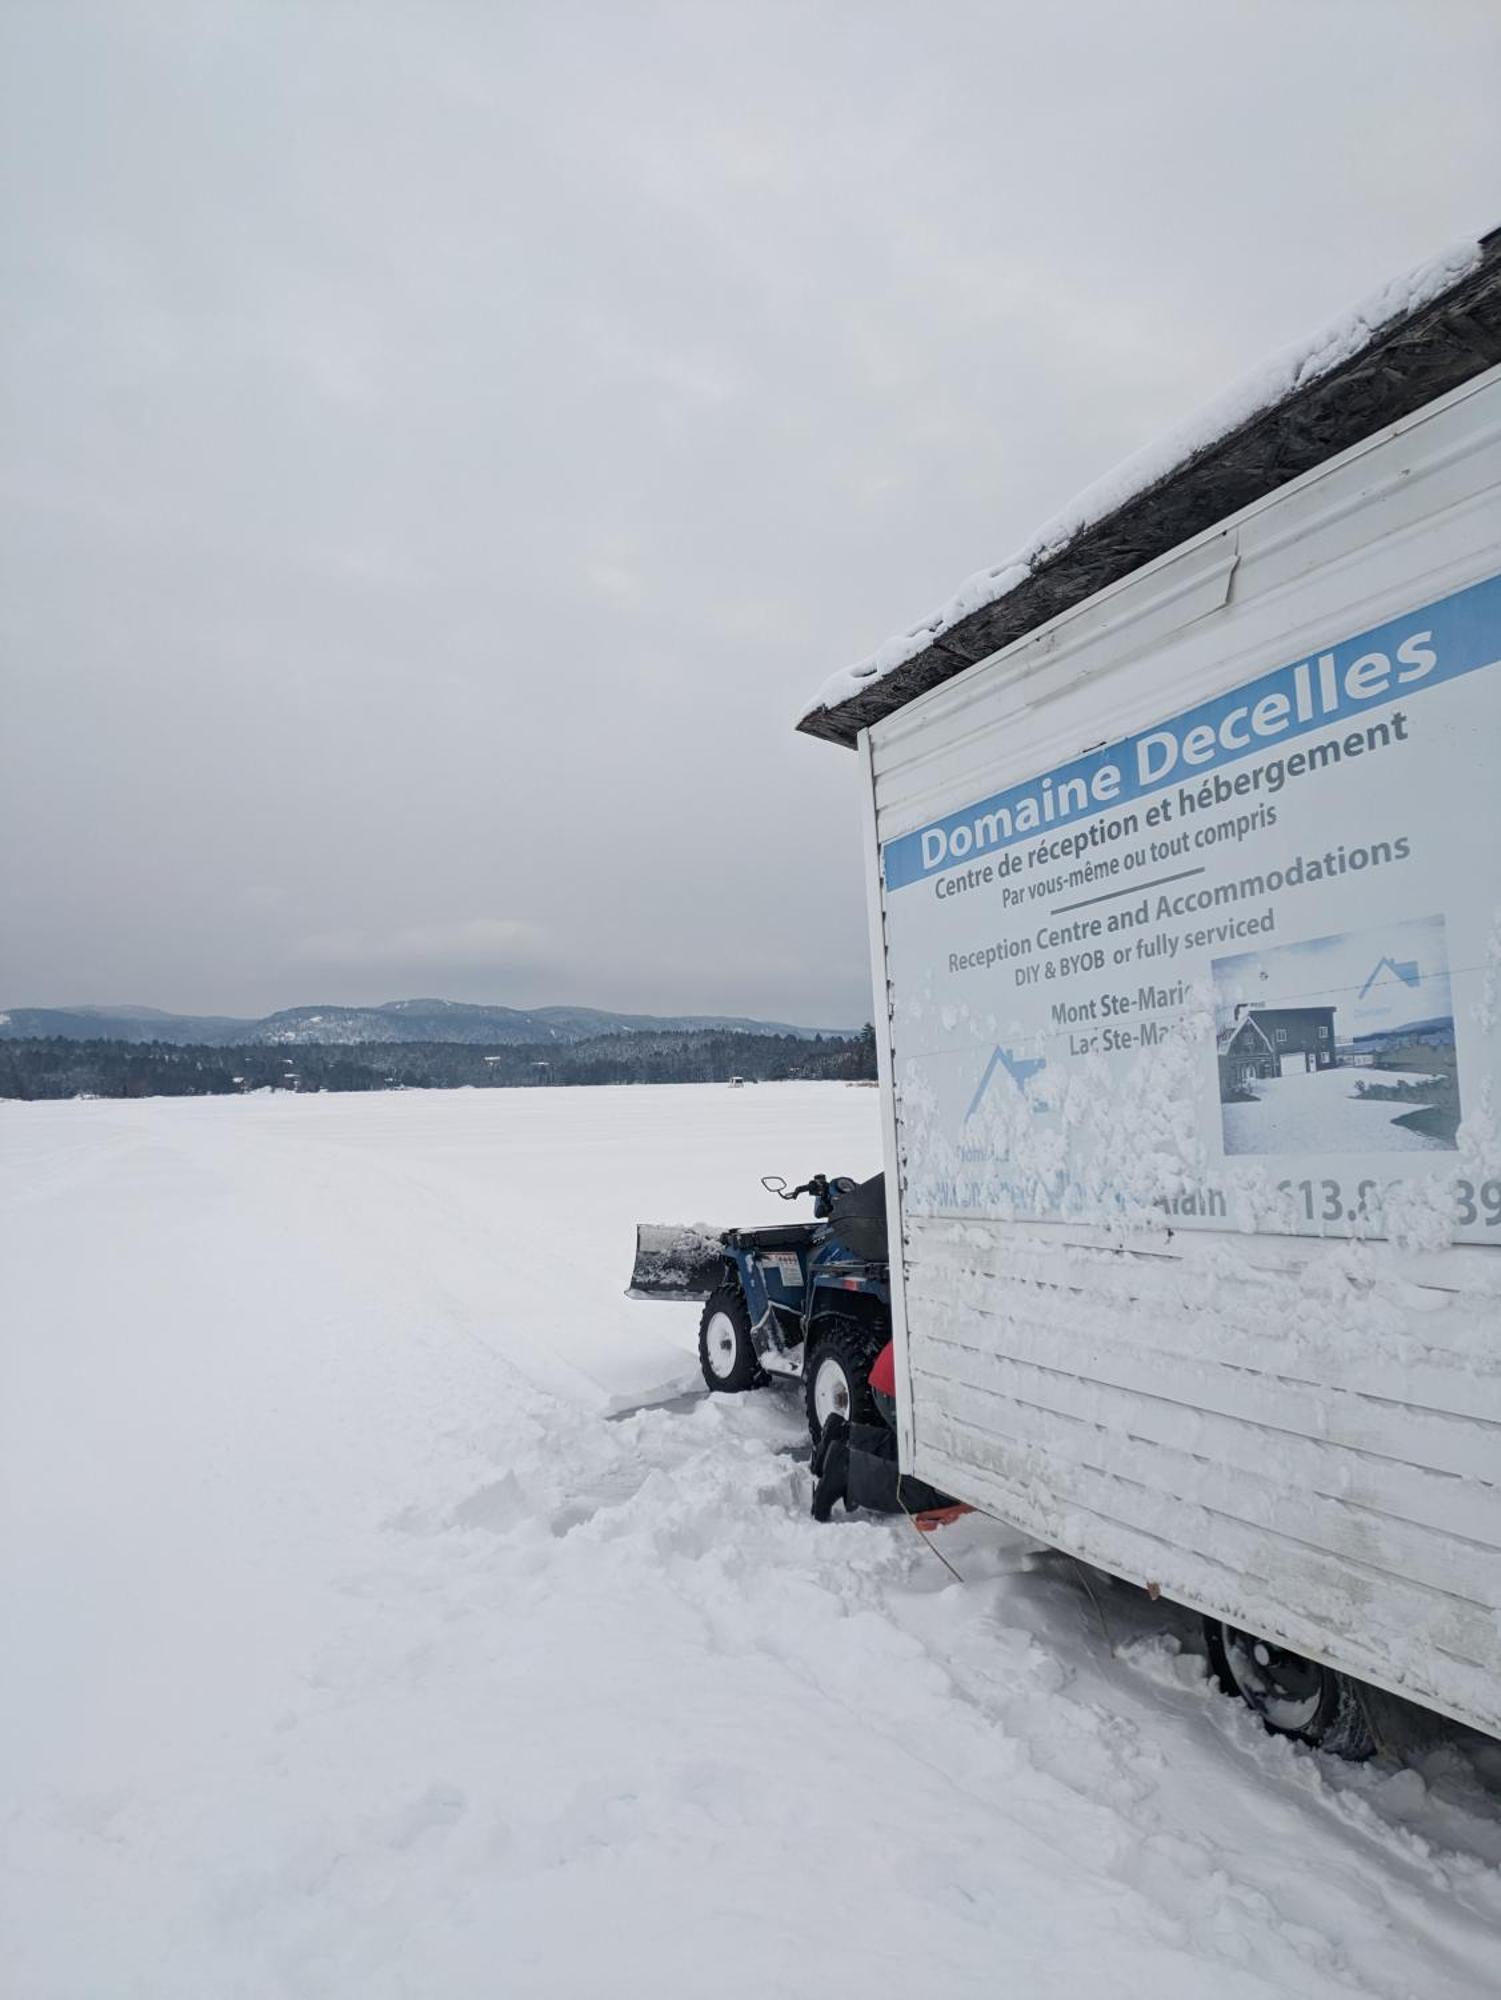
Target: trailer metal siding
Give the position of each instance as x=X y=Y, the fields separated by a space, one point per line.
x=1154 y=1405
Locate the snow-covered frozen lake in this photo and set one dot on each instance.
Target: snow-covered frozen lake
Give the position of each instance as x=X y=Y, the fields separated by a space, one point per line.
x=354 y=1648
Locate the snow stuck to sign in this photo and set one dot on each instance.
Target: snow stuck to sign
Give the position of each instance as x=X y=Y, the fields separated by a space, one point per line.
x=1291 y=368
x=360 y=1646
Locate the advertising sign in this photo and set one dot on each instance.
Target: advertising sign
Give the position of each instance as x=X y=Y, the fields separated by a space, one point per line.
x=1239 y=970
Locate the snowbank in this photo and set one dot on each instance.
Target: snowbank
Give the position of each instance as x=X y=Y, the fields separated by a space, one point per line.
x=354 y=1649
x=1293 y=367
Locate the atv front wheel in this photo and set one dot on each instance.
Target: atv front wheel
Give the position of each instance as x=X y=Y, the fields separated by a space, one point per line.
x=725 y=1351
x=1293 y=1696
x=836 y=1374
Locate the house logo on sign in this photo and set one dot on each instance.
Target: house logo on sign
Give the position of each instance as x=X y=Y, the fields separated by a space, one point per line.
x=1405 y=969
x=1018 y=1068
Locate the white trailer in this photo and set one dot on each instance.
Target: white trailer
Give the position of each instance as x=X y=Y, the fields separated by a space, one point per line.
x=1184 y=855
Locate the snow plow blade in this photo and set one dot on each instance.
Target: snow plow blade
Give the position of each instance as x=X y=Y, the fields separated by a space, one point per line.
x=675 y=1261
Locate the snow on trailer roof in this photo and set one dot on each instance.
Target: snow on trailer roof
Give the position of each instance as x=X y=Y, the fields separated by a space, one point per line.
x=1420 y=336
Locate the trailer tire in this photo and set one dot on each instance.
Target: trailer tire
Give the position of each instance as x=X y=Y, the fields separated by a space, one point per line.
x=836 y=1373
x=726 y=1353
x=1293 y=1696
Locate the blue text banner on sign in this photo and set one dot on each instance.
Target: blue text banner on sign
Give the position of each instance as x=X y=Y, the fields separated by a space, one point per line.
x=1390 y=663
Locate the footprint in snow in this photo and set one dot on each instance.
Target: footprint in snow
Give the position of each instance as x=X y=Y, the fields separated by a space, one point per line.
x=498 y=1506
x=433 y=1811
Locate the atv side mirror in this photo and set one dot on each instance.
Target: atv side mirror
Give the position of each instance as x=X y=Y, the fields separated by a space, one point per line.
x=773 y=1183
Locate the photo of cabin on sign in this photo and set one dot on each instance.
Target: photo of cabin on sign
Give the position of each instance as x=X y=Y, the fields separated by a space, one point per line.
x=1339 y=1044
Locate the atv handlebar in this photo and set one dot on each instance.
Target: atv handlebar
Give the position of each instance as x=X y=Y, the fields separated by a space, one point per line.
x=820 y=1187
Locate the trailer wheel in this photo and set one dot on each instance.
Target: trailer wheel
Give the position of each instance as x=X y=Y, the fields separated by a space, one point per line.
x=1293 y=1696
x=725 y=1351
x=836 y=1374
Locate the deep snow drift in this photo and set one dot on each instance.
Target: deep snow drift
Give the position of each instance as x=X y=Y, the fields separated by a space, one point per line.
x=354 y=1648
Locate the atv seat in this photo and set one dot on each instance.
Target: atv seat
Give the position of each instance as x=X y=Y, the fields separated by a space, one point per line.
x=859 y=1219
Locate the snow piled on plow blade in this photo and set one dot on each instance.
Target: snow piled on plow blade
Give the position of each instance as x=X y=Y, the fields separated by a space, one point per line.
x=676 y=1261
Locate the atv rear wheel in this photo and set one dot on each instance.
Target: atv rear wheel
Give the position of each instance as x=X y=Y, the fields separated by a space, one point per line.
x=726 y=1353
x=836 y=1374
x=1293 y=1696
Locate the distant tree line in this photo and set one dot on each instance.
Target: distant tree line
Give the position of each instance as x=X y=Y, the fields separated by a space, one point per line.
x=53 y=1066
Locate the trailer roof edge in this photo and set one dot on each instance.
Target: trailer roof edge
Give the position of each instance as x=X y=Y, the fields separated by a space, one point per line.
x=1409 y=362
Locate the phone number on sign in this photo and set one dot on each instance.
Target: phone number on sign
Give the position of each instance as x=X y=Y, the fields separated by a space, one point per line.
x=1330 y=1201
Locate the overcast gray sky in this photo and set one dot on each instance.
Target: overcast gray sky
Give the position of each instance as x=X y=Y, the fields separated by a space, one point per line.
x=446 y=445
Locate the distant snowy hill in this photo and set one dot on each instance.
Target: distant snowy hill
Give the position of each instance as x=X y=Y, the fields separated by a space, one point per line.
x=395 y=1021
x=119 y=1024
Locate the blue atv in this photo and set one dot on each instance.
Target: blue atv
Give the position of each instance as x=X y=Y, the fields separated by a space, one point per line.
x=810 y=1301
